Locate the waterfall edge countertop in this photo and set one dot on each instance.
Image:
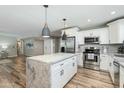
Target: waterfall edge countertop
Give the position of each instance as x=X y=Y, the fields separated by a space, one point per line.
x=120 y=59
x=52 y=58
x=121 y=64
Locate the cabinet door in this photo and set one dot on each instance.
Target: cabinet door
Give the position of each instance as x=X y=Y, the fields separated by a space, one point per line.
x=80 y=60
x=70 y=68
x=62 y=72
x=80 y=37
x=121 y=77
x=56 y=76
x=104 y=36
x=104 y=62
x=114 y=33
x=111 y=68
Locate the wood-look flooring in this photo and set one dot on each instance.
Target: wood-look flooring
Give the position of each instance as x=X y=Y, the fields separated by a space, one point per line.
x=13 y=75
x=86 y=78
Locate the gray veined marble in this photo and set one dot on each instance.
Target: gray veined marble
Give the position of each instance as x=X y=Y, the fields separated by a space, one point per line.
x=38 y=75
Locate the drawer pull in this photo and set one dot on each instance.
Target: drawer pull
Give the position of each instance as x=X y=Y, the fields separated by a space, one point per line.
x=61 y=72
x=73 y=64
x=73 y=58
x=61 y=64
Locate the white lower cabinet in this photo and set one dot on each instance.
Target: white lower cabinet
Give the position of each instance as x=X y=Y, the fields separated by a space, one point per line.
x=80 y=59
x=121 y=77
x=62 y=72
x=111 y=68
x=104 y=62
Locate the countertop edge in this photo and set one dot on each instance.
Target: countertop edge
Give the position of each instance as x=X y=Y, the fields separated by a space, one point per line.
x=29 y=58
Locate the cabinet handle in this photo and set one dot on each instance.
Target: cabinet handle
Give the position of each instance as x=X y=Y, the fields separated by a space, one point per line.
x=110 y=64
x=73 y=64
x=61 y=64
x=72 y=58
x=61 y=72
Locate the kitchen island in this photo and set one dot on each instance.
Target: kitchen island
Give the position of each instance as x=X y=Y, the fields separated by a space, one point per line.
x=51 y=70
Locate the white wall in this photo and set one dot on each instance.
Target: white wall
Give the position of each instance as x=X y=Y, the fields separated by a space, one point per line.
x=10 y=44
x=36 y=49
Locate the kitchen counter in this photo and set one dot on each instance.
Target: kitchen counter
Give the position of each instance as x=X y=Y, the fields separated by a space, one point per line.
x=119 y=55
x=52 y=58
x=51 y=70
x=121 y=64
x=120 y=59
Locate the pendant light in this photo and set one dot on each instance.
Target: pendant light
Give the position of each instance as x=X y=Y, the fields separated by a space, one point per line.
x=64 y=34
x=45 y=31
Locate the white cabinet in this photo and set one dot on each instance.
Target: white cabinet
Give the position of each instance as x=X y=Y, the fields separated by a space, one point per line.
x=80 y=59
x=104 y=62
x=116 y=31
x=121 y=77
x=63 y=71
x=92 y=33
x=104 y=36
x=87 y=33
x=111 y=67
x=80 y=37
x=102 y=33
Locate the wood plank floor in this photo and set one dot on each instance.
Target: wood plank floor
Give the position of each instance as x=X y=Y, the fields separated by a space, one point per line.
x=86 y=78
x=13 y=75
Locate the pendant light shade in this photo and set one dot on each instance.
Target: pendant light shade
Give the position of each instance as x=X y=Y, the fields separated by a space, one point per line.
x=46 y=31
x=64 y=34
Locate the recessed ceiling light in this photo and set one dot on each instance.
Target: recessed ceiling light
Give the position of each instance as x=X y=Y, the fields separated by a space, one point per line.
x=89 y=20
x=113 y=12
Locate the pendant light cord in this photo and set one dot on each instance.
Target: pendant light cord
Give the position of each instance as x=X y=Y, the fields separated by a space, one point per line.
x=64 y=23
x=45 y=15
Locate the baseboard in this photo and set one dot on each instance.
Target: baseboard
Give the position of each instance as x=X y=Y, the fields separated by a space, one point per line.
x=80 y=66
x=13 y=56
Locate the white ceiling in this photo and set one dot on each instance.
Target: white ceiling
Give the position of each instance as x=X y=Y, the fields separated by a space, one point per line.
x=25 y=21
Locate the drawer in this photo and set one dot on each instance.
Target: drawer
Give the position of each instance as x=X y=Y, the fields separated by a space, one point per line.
x=61 y=64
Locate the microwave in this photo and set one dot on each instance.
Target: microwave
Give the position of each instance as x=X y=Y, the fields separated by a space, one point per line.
x=91 y=40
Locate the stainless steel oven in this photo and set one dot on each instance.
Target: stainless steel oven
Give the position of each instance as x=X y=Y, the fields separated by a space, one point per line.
x=92 y=58
x=91 y=40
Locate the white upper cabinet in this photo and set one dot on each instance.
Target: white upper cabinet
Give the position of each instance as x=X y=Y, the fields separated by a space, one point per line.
x=116 y=31
x=102 y=33
x=104 y=36
x=71 y=31
x=80 y=36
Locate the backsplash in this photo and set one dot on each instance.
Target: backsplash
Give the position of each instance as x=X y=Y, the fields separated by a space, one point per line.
x=112 y=48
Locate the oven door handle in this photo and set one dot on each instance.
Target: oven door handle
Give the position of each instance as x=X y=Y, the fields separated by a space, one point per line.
x=116 y=63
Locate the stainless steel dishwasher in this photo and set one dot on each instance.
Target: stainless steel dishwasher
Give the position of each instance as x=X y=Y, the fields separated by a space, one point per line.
x=116 y=73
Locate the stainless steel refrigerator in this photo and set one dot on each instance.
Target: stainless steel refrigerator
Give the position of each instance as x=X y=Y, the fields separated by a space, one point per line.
x=70 y=44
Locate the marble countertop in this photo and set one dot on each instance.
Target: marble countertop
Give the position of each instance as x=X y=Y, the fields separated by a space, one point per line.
x=52 y=58
x=121 y=64
x=119 y=55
